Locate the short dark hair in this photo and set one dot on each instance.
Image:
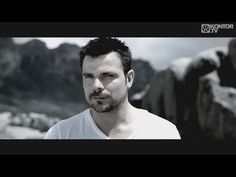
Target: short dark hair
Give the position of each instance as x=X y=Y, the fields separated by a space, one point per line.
x=104 y=45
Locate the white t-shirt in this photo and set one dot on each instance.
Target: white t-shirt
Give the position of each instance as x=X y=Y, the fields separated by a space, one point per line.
x=82 y=126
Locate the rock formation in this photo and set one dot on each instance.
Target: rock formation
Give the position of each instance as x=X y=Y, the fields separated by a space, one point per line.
x=173 y=92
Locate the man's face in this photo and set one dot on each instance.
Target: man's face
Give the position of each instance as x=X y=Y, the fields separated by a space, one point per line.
x=104 y=82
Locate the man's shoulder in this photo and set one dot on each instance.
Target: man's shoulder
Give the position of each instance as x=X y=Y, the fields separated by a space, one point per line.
x=157 y=126
x=64 y=127
x=74 y=119
x=154 y=119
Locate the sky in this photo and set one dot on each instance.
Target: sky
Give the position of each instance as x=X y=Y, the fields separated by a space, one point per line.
x=159 y=51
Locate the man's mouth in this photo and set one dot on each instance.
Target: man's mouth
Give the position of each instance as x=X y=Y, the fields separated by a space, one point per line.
x=99 y=97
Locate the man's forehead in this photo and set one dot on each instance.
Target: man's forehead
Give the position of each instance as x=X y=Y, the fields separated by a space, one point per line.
x=110 y=60
x=111 y=56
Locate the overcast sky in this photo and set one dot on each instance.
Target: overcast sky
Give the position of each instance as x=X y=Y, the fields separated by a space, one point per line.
x=158 y=51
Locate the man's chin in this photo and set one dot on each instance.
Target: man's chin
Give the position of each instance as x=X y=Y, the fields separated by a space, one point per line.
x=103 y=109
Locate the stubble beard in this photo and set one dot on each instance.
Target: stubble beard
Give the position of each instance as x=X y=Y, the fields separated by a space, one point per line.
x=101 y=107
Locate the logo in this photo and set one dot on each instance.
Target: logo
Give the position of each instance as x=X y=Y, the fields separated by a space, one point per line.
x=214 y=28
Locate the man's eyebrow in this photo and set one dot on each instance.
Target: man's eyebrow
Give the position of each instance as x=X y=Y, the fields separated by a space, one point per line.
x=108 y=72
x=103 y=73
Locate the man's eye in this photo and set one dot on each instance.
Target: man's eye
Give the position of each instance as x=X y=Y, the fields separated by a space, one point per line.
x=108 y=75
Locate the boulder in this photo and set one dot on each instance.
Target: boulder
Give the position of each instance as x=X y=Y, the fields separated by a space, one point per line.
x=173 y=91
x=216 y=107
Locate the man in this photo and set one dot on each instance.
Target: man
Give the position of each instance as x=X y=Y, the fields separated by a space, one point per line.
x=107 y=77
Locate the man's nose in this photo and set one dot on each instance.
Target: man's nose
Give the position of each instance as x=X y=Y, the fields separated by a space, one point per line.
x=98 y=85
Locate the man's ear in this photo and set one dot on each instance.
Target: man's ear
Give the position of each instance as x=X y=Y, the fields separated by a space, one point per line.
x=130 y=78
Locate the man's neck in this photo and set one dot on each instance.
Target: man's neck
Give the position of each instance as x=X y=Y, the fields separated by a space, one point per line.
x=116 y=123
